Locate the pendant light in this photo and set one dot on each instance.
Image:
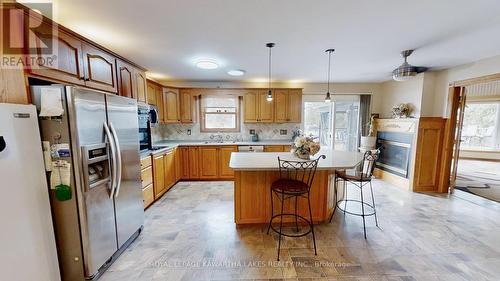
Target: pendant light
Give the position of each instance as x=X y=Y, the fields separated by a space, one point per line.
x=269 y=92
x=329 y=51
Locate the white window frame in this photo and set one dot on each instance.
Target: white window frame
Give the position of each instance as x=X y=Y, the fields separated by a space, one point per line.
x=203 y=128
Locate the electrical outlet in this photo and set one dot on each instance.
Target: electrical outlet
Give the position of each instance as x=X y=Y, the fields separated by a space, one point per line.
x=283 y=132
x=252 y=132
x=189 y=132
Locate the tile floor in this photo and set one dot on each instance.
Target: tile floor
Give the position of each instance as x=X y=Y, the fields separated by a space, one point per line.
x=189 y=234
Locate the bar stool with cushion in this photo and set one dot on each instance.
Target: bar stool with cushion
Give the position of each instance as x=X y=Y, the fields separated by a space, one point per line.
x=359 y=177
x=295 y=182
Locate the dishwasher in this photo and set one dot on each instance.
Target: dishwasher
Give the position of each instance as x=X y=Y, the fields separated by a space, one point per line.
x=251 y=148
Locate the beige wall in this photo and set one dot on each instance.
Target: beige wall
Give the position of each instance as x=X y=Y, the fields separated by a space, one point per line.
x=427 y=93
x=445 y=77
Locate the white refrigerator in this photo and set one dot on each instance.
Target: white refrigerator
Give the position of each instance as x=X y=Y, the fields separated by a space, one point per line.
x=27 y=243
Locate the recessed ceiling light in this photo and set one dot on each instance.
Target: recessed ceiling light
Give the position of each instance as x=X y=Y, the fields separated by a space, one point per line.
x=207 y=64
x=236 y=72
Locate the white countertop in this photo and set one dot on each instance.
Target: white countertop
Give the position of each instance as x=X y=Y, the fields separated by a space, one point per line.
x=165 y=145
x=171 y=143
x=258 y=161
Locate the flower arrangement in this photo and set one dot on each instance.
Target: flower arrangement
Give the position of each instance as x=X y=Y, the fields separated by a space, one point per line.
x=401 y=110
x=303 y=147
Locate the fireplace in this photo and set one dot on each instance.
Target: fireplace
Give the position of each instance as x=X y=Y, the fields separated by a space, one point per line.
x=395 y=152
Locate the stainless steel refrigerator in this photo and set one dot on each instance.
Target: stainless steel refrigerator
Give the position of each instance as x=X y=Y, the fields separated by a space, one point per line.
x=97 y=134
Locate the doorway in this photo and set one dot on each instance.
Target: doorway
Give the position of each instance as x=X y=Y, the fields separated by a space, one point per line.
x=475 y=126
x=334 y=125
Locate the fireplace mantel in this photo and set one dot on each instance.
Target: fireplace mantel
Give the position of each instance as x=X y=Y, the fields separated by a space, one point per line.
x=401 y=125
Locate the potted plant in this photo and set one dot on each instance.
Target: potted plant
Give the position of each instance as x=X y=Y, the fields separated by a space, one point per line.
x=304 y=147
x=369 y=141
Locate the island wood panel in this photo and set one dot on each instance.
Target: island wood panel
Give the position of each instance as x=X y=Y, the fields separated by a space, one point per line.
x=252 y=197
x=428 y=154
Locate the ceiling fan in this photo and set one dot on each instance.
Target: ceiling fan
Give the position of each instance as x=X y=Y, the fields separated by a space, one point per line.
x=407 y=71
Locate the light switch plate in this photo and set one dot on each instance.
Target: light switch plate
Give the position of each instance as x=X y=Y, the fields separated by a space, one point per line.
x=252 y=131
x=189 y=132
x=283 y=132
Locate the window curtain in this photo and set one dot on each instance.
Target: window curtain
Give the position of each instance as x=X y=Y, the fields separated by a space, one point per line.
x=364 y=114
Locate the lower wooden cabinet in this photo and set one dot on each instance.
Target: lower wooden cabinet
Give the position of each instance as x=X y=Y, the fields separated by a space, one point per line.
x=224 y=157
x=208 y=162
x=148 y=195
x=273 y=148
x=169 y=166
x=178 y=164
x=193 y=167
x=159 y=176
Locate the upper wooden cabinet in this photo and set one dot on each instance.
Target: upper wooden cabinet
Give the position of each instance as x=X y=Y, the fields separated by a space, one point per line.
x=140 y=86
x=151 y=92
x=100 y=69
x=68 y=66
x=171 y=105
x=256 y=108
x=125 y=73
x=187 y=106
x=288 y=105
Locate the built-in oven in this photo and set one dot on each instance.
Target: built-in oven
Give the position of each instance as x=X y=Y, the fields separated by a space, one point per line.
x=144 y=127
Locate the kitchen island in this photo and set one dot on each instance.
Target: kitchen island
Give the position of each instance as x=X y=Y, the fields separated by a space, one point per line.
x=254 y=173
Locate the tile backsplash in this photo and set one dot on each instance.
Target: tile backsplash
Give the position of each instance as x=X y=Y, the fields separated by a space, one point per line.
x=265 y=132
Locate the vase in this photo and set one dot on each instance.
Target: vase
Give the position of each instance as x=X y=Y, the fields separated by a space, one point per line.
x=303 y=154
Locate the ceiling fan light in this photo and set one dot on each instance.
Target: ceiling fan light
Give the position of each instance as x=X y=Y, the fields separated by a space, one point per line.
x=404 y=73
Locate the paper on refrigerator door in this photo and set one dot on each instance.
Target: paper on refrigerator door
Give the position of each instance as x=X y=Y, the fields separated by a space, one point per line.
x=61 y=173
x=51 y=102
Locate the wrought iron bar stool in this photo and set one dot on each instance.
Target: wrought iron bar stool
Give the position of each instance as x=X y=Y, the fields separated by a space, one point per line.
x=295 y=182
x=359 y=177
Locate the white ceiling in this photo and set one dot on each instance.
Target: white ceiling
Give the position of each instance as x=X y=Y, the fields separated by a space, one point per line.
x=167 y=36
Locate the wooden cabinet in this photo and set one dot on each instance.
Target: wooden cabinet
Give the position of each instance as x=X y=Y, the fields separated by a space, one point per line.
x=256 y=107
x=169 y=166
x=266 y=108
x=288 y=105
x=194 y=162
x=151 y=92
x=250 y=107
x=159 y=176
x=171 y=107
x=160 y=104
x=178 y=164
x=147 y=181
x=125 y=75
x=187 y=106
x=273 y=148
x=100 y=69
x=140 y=88
x=294 y=104
x=69 y=64
x=224 y=157
x=208 y=162
x=184 y=155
